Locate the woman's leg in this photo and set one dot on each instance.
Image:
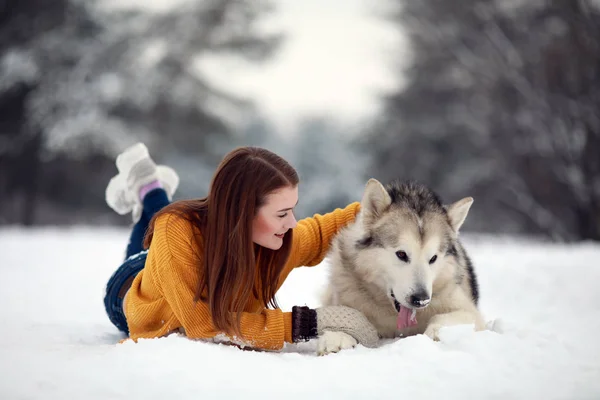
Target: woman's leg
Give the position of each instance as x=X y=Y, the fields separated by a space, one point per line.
x=152 y=202
x=117 y=287
x=142 y=188
x=120 y=282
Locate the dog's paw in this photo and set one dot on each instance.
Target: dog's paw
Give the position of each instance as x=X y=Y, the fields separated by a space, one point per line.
x=332 y=342
x=433 y=331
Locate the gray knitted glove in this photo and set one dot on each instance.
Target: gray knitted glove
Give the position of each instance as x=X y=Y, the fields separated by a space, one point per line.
x=308 y=324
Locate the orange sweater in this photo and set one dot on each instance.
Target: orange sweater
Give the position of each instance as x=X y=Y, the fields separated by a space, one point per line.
x=161 y=298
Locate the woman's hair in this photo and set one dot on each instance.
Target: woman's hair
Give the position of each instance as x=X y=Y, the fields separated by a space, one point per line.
x=229 y=275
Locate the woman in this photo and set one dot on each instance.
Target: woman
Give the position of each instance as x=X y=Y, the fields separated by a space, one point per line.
x=213 y=266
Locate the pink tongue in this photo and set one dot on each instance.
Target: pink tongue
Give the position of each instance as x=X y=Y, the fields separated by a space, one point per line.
x=404 y=318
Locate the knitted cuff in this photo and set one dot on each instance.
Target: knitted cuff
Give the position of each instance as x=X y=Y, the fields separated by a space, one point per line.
x=304 y=323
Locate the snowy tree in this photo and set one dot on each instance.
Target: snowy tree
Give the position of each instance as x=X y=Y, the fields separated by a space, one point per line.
x=501 y=103
x=141 y=79
x=547 y=125
x=329 y=164
x=86 y=82
x=32 y=34
x=331 y=168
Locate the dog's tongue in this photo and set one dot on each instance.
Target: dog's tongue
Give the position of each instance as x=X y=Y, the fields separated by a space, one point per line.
x=405 y=318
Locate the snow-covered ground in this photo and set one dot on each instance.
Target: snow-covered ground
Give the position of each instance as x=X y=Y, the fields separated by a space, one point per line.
x=57 y=343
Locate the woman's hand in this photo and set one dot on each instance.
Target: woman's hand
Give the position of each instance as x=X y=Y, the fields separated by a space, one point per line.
x=337 y=327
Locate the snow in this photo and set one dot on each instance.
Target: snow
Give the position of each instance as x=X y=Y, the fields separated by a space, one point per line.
x=16 y=67
x=57 y=342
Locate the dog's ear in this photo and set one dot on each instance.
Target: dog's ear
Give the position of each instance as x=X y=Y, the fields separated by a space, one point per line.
x=374 y=202
x=457 y=212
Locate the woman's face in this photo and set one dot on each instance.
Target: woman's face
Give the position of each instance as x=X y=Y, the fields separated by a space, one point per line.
x=275 y=218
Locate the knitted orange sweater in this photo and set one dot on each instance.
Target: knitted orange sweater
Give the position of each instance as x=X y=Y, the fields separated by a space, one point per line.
x=161 y=298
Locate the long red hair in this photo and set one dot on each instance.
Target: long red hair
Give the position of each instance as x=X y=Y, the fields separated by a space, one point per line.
x=231 y=261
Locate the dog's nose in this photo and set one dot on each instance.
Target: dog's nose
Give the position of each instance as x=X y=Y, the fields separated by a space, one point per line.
x=420 y=299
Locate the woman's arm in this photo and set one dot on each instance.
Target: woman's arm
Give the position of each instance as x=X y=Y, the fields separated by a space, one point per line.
x=312 y=236
x=267 y=330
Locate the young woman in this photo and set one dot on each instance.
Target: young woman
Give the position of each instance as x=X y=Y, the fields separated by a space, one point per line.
x=213 y=265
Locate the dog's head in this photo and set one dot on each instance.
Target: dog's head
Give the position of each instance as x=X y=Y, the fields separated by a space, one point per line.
x=409 y=240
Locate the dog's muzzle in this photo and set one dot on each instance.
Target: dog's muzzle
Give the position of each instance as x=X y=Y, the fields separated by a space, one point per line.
x=417 y=300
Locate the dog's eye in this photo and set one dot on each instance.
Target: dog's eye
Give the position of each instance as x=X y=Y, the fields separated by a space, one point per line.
x=433 y=259
x=402 y=255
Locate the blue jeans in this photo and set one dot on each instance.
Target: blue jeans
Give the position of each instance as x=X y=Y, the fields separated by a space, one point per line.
x=135 y=259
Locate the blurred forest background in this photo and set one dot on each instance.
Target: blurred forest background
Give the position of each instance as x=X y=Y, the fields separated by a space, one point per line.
x=495 y=99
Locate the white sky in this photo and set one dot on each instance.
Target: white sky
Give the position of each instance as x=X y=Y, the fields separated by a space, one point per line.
x=335 y=61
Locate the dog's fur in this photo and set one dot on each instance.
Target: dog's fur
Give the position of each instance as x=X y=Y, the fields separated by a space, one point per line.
x=385 y=260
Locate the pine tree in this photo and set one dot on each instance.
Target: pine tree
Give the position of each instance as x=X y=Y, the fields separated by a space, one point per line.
x=501 y=103
x=86 y=82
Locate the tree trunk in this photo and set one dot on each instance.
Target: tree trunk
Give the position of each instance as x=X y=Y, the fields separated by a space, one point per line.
x=30 y=170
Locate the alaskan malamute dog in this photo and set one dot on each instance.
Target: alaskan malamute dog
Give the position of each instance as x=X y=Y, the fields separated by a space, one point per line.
x=402 y=264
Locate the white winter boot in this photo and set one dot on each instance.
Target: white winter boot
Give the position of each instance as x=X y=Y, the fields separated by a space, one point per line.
x=137 y=169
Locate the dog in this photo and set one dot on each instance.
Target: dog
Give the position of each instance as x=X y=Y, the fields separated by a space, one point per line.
x=402 y=264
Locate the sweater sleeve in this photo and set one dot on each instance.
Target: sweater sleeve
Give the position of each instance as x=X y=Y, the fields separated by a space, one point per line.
x=312 y=236
x=177 y=275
